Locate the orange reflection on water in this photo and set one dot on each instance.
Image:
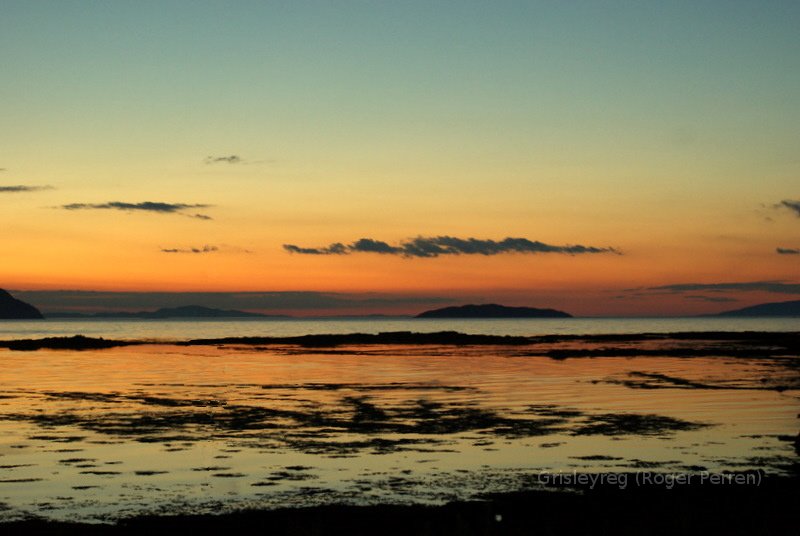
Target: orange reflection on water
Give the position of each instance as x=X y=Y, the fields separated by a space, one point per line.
x=226 y=422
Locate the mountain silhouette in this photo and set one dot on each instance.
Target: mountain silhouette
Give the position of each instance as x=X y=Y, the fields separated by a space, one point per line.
x=186 y=311
x=12 y=308
x=492 y=310
x=787 y=308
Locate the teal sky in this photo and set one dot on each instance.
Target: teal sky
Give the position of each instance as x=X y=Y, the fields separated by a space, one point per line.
x=666 y=130
x=81 y=78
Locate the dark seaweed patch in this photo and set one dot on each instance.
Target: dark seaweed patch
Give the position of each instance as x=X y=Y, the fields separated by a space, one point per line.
x=694 y=468
x=68 y=461
x=615 y=424
x=596 y=457
x=58 y=439
x=290 y=476
x=115 y=398
x=210 y=468
x=319 y=430
x=391 y=386
x=652 y=380
x=645 y=464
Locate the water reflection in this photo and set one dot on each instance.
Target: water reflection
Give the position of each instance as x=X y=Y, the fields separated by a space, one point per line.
x=99 y=434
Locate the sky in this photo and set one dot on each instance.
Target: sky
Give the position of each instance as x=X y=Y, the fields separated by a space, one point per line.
x=604 y=158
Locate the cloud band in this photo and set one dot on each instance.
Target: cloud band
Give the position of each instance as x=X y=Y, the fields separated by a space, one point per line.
x=145 y=206
x=19 y=188
x=204 y=249
x=429 y=247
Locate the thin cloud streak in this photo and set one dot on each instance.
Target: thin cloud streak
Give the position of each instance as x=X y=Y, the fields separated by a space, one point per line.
x=146 y=206
x=430 y=247
x=19 y=188
x=204 y=249
x=787 y=251
x=232 y=159
x=777 y=287
x=711 y=299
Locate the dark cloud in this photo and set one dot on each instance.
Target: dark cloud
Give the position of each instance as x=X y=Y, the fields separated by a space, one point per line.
x=146 y=206
x=22 y=188
x=334 y=249
x=232 y=159
x=792 y=205
x=777 y=287
x=713 y=299
x=427 y=247
x=204 y=249
x=788 y=251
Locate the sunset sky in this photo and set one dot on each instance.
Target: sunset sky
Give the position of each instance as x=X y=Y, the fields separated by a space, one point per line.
x=351 y=157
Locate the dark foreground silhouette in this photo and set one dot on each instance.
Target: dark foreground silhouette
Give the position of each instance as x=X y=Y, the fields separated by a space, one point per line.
x=736 y=344
x=698 y=509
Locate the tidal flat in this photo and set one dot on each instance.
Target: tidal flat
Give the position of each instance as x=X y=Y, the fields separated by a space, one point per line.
x=113 y=433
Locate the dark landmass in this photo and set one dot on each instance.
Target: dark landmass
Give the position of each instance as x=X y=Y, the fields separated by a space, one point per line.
x=186 y=311
x=687 y=509
x=735 y=344
x=390 y=337
x=77 y=342
x=787 y=308
x=492 y=310
x=14 y=309
x=80 y=342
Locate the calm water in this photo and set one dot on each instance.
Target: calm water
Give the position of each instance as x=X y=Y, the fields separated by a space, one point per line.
x=189 y=329
x=98 y=435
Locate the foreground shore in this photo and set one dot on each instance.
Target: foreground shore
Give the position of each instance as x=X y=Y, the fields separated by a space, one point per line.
x=721 y=507
x=357 y=433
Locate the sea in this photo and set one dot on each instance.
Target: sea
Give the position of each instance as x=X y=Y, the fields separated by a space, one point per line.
x=159 y=428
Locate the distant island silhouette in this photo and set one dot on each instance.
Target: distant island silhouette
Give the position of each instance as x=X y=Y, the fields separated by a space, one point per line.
x=787 y=308
x=186 y=311
x=492 y=310
x=14 y=309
